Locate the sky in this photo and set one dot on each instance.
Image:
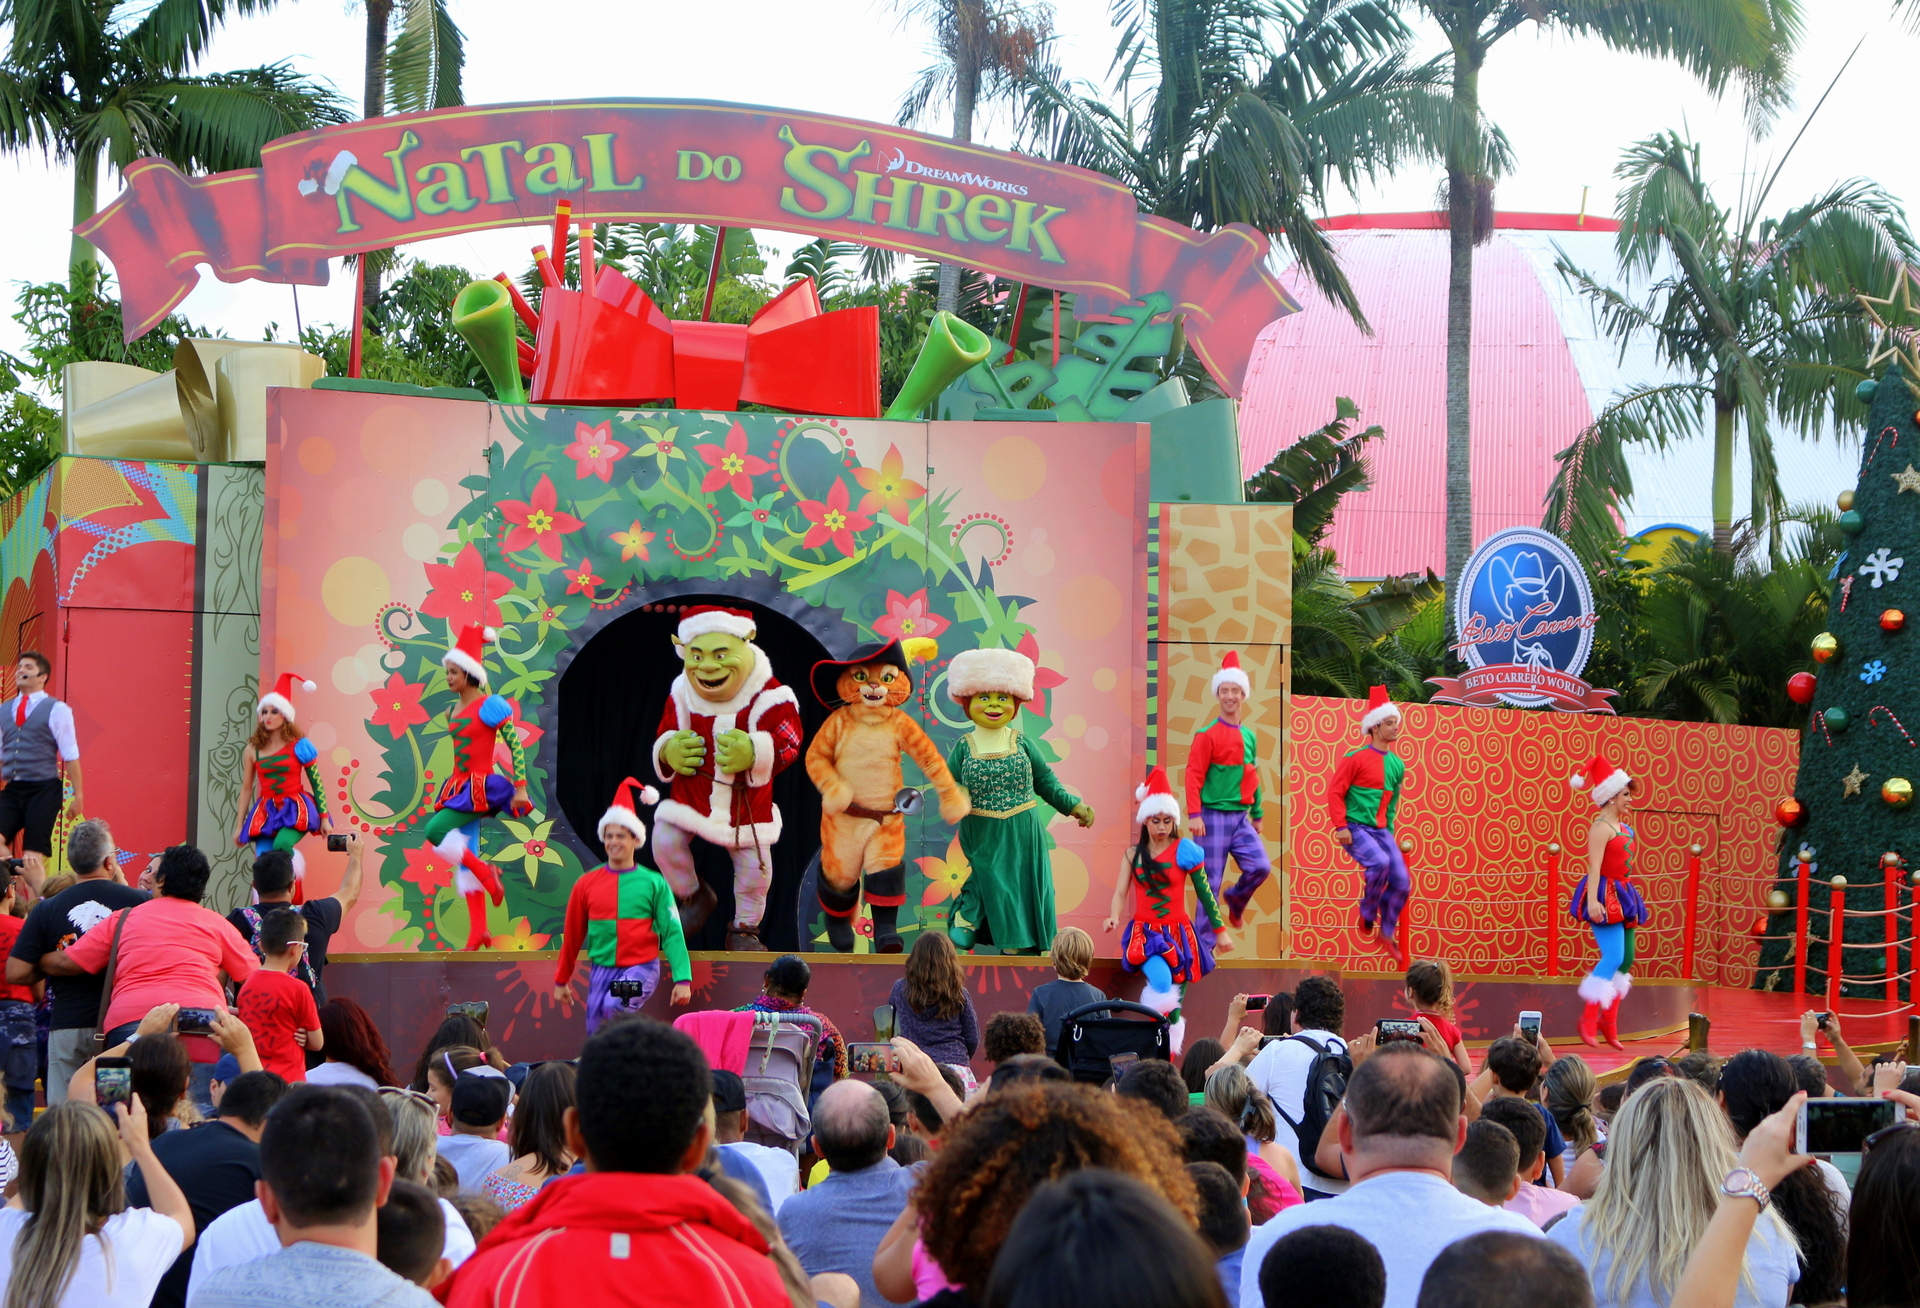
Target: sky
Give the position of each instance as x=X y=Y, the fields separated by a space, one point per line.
x=1569 y=106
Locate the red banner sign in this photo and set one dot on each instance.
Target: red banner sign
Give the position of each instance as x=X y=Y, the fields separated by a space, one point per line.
x=1482 y=687
x=387 y=181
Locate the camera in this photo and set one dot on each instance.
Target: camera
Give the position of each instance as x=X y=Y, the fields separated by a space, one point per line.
x=1397 y=1028
x=624 y=989
x=195 y=1021
x=112 y=1081
x=867 y=1057
x=1822 y=1019
x=477 y=1008
x=336 y=844
x=1257 y=1002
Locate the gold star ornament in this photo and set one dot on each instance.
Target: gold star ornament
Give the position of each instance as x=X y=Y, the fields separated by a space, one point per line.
x=1893 y=317
x=1850 y=784
x=1906 y=481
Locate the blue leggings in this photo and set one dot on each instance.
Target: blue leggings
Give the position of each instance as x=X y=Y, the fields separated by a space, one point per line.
x=1616 y=942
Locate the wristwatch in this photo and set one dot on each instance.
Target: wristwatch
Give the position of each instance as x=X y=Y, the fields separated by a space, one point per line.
x=1741 y=1183
x=1809 y=1046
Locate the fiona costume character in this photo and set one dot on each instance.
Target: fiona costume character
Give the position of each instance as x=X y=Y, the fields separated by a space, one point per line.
x=1007 y=901
x=1606 y=901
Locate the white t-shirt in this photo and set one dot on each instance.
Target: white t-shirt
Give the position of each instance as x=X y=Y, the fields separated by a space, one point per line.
x=1280 y=1070
x=240 y=1235
x=1408 y=1216
x=778 y=1168
x=142 y=1245
x=474 y=1157
x=1770 y=1257
x=340 y=1074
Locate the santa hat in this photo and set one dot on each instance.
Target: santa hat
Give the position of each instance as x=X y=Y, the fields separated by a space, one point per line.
x=1230 y=674
x=977 y=671
x=466 y=654
x=281 y=696
x=705 y=619
x=1603 y=778
x=1379 y=709
x=622 y=811
x=1156 y=797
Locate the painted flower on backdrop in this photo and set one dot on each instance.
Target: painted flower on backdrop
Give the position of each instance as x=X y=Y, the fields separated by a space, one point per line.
x=428 y=870
x=833 y=520
x=663 y=447
x=396 y=705
x=731 y=466
x=887 y=489
x=632 y=543
x=530 y=846
x=1044 y=678
x=593 y=451
x=523 y=938
x=909 y=616
x=945 y=876
x=757 y=516
x=537 y=522
x=464 y=593
x=582 y=581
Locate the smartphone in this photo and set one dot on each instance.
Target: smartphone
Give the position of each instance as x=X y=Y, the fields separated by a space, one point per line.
x=112 y=1081
x=1121 y=1062
x=618 y=989
x=1530 y=1023
x=1257 y=1002
x=336 y=844
x=1698 y=1026
x=195 y=1021
x=1821 y=1019
x=869 y=1057
x=1397 y=1028
x=477 y=1009
x=1839 y=1126
x=883 y=1022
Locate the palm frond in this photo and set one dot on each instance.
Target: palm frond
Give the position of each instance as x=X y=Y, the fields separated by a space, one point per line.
x=1594 y=480
x=425 y=58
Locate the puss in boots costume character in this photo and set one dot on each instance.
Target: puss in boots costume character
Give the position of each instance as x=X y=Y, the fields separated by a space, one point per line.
x=1159 y=940
x=728 y=729
x=474 y=790
x=1606 y=901
x=1224 y=808
x=280 y=789
x=1363 y=800
x=854 y=761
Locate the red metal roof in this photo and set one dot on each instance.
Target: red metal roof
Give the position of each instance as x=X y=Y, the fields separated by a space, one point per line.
x=1509 y=221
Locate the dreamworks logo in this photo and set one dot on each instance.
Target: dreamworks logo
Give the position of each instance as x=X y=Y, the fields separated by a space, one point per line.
x=914 y=168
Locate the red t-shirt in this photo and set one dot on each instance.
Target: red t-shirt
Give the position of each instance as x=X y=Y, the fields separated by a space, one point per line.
x=1449 y=1032
x=10 y=932
x=274 y=1005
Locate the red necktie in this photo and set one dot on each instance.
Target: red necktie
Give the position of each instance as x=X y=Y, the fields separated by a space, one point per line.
x=20 y=714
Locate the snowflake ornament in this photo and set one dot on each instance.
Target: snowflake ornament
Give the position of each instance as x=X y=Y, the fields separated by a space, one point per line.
x=1881 y=567
x=1873 y=672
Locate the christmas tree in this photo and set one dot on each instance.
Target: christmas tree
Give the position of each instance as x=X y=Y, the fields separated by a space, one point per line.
x=1852 y=804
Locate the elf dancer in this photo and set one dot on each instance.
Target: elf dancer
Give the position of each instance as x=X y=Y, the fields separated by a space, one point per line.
x=1160 y=942
x=1363 y=797
x=475 y=790
x=1606 y=901
x=729 y=728
x=625 y=916
x=1223 y=796
x=279 y=760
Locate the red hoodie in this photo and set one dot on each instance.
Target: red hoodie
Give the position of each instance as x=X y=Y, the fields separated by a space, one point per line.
x=620 y=1238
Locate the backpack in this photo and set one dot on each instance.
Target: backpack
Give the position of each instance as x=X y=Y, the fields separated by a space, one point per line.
x=1326 y=1086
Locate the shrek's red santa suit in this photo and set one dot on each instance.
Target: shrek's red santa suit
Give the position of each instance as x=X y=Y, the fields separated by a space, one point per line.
x=729 y=728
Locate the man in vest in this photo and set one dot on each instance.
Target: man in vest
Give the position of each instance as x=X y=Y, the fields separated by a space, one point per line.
x=36 y=742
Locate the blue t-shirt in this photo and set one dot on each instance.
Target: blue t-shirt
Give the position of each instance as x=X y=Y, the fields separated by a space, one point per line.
x=1555 y=1146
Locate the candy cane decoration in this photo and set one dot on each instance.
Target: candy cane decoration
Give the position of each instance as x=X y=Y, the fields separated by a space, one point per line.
x=1882 y=708
x=1846 y=591
x=1817 y=719
x=1884 y=433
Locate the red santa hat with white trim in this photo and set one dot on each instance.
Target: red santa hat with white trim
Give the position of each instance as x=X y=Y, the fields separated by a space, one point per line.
x=468 y=651
x=1380 y=707
x=1156 y=797
x=1602 y=778
x=705 y=619
x=1230 y=674
x=622 y=812
x=281 y=696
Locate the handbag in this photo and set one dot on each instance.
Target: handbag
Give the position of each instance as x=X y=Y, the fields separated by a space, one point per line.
x=106 y=986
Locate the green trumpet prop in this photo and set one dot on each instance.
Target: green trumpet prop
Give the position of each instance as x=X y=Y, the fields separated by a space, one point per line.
x=952 y=346
x=483 y=314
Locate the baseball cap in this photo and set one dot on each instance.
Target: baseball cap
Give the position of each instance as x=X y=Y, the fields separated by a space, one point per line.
x=480 y=1098
x=729 y=1091
x=226 y=1069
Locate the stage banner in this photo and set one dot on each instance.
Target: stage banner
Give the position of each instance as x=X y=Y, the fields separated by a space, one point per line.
x=383 y=182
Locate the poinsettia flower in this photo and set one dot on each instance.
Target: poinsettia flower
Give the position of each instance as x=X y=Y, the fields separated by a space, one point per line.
x=661 y=448
x=522 y=938
x=538 y=521
x=731 y=466
x=632 y=543
x=530 y=846
x=908 y=616
x=396 y=705
x=1044 y=678
x=945 y=876
x=582 y=581
x=427 y=869
x=833 y=520
x=593 y=451
x=887 y=490
x=464 y=592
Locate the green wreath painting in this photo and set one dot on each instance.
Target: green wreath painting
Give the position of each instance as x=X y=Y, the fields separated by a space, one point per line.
x=587 y=511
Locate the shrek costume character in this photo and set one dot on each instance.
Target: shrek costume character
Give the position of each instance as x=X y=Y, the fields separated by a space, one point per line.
x=729 y=728
x=1008 y=897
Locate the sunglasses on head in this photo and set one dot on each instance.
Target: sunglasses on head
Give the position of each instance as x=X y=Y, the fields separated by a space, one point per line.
x=1866 y=1145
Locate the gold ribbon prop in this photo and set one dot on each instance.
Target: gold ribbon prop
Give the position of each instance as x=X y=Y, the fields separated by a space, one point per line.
x=211 y=407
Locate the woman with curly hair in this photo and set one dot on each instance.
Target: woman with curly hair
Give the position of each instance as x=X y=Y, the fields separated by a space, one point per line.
x=990 y=1163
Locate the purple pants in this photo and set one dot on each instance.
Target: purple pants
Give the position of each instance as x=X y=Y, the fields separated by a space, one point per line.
x=1387 y=881
x=1232 y=833
x=601 y=1005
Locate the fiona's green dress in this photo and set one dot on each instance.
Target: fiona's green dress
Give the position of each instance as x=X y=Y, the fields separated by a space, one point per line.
x=1008 y=898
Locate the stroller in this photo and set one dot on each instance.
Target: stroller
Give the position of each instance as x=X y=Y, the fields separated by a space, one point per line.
x=1088 y=1043
x=777 y=1068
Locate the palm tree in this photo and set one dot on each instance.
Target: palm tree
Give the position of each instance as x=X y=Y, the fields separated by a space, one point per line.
x=418 y=69
x=1718 y=41
x=114 y=77
x=1759 y=315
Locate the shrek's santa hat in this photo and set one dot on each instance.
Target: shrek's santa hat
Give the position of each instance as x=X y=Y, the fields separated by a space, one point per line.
x=1379 y=708
x=1230 y=674
x=622 y=811
x=706 y=619
x=468 y=651
x=1156 y=796
x=1602 y=778
x=281 y=696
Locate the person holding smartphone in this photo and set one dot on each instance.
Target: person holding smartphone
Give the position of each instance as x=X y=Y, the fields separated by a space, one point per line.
x=274 y=884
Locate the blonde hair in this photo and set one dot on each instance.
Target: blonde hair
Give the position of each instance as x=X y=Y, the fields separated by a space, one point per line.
x=1231 y=1091
x=1568 y=1090
x=1668 y=1151
x=1431 y=985
x=415 y=1144
x=70 y=1185
x=1072 y=953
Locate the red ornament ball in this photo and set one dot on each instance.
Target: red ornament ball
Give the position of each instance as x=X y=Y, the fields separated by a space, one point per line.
x=1892 y=620
x=1790 y=812
x=1800 y=687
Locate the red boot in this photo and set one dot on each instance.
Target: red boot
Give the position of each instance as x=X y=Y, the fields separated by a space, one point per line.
x=1590 y=1024
x=485 y=873
x=478 y=937
x=1610 y=1024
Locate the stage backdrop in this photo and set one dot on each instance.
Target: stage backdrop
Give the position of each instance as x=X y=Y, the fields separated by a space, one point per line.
x=579 y=533
x=1486 y=792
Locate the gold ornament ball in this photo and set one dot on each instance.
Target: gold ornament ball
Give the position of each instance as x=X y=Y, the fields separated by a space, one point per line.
x=1845 y=501
x=1553 y=847
x=1406 y=844
x=1897 y=791
x=1890 y=859
x=1825 y=646
x=1777 y=899
x=1838 y=883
